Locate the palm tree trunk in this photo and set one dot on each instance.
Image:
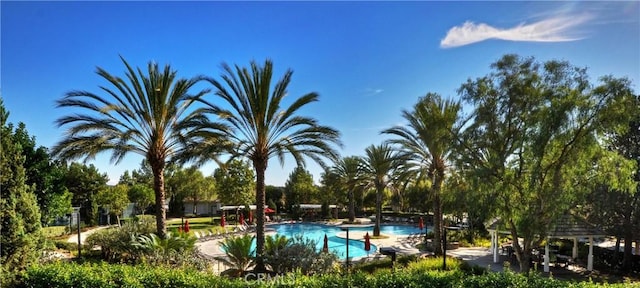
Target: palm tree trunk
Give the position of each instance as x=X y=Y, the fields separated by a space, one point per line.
x=158 y=187
x=376 y=228
x=352 y=208
x=437 y=225
x=260 y=202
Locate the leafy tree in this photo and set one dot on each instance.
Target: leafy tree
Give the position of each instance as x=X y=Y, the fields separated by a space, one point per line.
x=142 y=195
x=274 y=196
x=147 y=115
x=350 y=174
x=534 y=141
x=191 y=184
x=262 y=129
x=428 y=139
x=85 y=183
x=235 y=182
x=300 y=188
x=45 y=176
x=21 y=231
x=115 y=199
x=330 y=191
x=379 y=172
x=618 y=211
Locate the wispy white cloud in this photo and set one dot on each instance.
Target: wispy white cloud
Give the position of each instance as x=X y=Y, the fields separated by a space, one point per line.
x=371 y=92
x=553 y=29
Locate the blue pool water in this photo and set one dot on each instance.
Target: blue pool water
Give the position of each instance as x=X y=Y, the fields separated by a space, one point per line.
x=316 y=233
x=337 y=245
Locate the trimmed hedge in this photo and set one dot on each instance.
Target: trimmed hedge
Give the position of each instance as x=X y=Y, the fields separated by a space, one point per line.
x=63 y=275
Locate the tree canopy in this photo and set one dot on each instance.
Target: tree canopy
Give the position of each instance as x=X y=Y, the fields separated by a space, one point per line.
x=534 y=140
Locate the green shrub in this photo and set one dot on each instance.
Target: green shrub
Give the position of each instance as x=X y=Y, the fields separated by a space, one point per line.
x=98 y=275
x=298 y=253
x=115 y=242
x=239 y=255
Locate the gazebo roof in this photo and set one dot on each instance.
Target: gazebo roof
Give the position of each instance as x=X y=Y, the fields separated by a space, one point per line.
x=567 y=226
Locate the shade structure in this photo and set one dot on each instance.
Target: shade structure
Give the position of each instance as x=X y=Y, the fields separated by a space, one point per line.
x=367 y=242
x=222 y=221
x=325 y=247
x=241 y=219
x=269 y=210
x=421 y=223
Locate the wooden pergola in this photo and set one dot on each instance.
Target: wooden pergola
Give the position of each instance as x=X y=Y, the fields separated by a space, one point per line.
x=568 y=226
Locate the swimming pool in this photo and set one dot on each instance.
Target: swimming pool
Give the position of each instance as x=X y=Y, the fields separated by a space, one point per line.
x=337 y=245
x=316 y=233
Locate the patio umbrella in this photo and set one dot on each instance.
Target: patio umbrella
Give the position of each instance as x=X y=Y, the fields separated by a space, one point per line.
x=325 y=247
x=421 y=223
x=241 y=218
x=269 y=210
x=367 y=243
x=186 y=226
x=222 y=221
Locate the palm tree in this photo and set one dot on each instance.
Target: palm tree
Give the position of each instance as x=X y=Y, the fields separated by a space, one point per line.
x=379 y=170
x=428 y=139
x=348 y=169
x=238 y=255
x=263 y=129
x=144 y=114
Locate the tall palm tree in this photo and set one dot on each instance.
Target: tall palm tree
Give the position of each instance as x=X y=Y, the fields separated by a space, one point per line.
x=428 y=138
x=263 y=129
x=348 y=169
x=379 y=170
x=145 y=114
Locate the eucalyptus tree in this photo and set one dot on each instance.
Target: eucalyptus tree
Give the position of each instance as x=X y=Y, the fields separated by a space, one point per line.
x=379 y=171
x=148 y=114
x=428 y=139
x=349 y=171
x=262 y=127
x=536 y=141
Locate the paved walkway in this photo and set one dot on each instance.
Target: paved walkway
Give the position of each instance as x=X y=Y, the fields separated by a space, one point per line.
x=83 y=235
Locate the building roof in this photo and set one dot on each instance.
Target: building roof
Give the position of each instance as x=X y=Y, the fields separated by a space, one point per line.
x=566 y=226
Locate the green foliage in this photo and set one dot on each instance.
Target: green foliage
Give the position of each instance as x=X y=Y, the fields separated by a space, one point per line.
x=262 y=126
x=44 y=175
x=114 y=198
x=300 y=188
x=536 y=139
x=21 y=233
x=85 y=182
x=380 y=167
x=68 y=275
x=175 y=250
x=235 y=183
x=239 y=254
x=115 y=242
x=349 y=178
x=145 y=113
x=297 y=254
x=142 y=195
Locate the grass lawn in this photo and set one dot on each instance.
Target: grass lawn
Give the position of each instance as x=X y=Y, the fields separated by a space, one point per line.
x=198 y=224
x=53 y=231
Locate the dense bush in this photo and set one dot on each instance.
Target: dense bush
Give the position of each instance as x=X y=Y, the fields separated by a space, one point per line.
x=116 y=275
x=115 y=242
x=239 y=255
x=298 y=254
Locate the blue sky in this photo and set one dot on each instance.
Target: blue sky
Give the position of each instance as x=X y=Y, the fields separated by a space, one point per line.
x=367 y=60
